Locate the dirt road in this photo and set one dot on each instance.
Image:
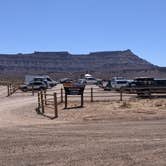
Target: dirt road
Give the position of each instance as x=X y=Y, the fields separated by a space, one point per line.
x=100 y=134
x=96 y=143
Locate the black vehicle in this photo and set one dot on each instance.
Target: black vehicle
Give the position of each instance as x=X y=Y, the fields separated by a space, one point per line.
x=145 y=86
x=160 y=82
x=148 y=82
x=144 y=81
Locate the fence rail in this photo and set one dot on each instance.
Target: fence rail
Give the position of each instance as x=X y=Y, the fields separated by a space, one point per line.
x=145 y=91
x=50 y=100
x=12 y=86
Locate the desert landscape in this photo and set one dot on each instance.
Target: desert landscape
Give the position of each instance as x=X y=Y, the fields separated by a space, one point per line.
x=118 y=133
x=83 y=83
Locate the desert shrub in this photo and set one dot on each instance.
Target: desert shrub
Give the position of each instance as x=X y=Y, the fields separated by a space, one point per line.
x=159 y=104
x=125 y=105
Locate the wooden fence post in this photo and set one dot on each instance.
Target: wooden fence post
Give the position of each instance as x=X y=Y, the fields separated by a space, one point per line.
x=82 y=100
x=42 y=102
x=12 y=87
x=55 y=105
x=61 y=95
x=8 y=90
x=45 y=97
x=65 y=100
x=91 y=94
x=121 y=95
x=39 y=99
x=33 y=90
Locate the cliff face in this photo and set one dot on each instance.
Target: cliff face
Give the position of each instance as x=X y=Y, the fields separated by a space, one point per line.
x=63 y=64
x=40 y=62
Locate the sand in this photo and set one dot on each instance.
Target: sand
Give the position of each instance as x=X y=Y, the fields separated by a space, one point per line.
x=130 y=132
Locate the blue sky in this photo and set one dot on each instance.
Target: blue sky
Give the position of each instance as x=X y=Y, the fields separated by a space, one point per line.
x=83 y=26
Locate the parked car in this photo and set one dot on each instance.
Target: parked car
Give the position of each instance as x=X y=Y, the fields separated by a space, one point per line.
x=81 y=82
x=36 y=85
x=40 y=78
x=65 y=80
x=91 y=81
x=107 y=86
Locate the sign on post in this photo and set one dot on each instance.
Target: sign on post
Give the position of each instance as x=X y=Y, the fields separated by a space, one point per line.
x=71 y=89
x=74 y=90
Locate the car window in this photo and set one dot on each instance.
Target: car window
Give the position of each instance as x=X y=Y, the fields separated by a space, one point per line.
x=38 y=79
x=121 y=82
x=38 y=83
x=90 y=78
x=35 y=83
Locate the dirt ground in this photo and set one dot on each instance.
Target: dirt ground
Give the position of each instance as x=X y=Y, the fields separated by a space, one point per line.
x=111 y=133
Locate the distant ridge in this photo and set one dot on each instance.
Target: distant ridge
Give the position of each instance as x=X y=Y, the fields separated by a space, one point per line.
x=103 y=63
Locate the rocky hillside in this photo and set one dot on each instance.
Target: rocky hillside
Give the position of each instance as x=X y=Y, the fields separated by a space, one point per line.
x=62 y=63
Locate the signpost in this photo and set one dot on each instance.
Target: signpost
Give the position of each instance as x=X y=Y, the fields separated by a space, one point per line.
x=74 y=90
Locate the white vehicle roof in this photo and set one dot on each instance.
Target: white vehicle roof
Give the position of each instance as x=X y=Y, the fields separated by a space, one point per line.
x=88 y=75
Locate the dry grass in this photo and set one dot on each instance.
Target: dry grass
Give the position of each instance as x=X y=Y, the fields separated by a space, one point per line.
x=125 y=104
